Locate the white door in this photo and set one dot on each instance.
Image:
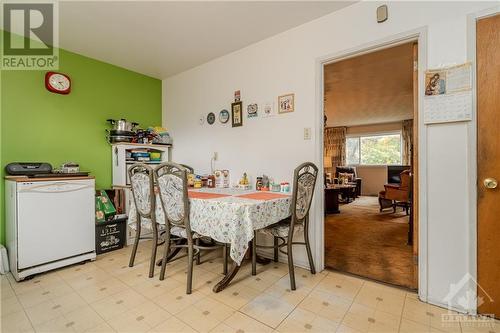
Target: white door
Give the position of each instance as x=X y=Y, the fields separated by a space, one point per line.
x=55 y=221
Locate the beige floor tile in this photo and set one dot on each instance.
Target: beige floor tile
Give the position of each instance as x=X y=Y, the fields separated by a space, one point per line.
x=205 y=314
x=108 y=296
x=83 y=319
x=153 y=287
x=58 y=324
x=43 y=312
x=408 y=326
x=346 y=329
x=326 y=304
x=259 y=282
x=304 y=278
x=102 y=328
x=212 y=262
x=16 y=322
x=69 y=302
x=381 y=298
x=90 y=279
x=281 y=289
x=301 y=320
x=340 y=285
x=101 y=290
x=267 y=309
x=9 y=306
x=428 y=314
x=236 y=295
x=367 y=319
x=141 y=318
x=238 y=323
x=24 y=287
x=202 y=280
x=6 y=290
x=135 y=275
x=177 y=300
x=74 y=271
x=33 y=297
x=118 y=303
x=173 y=325
x=412 y=295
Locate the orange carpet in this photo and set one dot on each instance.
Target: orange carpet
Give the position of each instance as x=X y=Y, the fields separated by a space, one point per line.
x=362 y=241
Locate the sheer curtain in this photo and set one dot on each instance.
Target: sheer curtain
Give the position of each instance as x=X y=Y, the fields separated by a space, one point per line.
x=334 y=147
x=407 y=134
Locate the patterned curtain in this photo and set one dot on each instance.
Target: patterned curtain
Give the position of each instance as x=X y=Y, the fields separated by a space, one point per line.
x=334 y=146
x=407 y=134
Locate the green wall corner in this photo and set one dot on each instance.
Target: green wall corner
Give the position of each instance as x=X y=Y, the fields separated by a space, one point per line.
x=37 y=125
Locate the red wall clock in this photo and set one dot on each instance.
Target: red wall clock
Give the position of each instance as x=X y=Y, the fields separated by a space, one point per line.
x=57 y=83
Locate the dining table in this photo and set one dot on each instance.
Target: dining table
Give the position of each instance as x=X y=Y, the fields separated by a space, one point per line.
x=230 y=216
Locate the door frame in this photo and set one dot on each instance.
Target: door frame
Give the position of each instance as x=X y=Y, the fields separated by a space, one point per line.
x=472 y=144
x=419 y=35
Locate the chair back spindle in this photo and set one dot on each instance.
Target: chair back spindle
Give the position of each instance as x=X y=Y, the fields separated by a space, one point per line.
x=304 y=182
x=172 y=183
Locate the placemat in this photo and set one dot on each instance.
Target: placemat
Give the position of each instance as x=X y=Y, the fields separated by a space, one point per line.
x=205 y=195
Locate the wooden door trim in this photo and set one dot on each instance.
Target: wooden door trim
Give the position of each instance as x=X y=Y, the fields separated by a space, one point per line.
x=420 y=36
x=415 y=165
x=472 y=144
x=485 y=113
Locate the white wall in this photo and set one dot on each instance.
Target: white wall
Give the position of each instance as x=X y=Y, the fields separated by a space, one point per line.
x=374 y=177
x=274 y=146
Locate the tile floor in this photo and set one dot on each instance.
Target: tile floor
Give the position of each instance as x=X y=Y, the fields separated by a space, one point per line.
x=108 y=296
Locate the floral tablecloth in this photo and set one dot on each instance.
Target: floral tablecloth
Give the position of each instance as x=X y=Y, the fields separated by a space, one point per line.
x=232 y=218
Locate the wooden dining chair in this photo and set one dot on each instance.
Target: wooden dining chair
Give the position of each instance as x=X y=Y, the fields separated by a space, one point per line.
x=142 y=183
x=171 y=179
x=304 y=182
x=189 y=169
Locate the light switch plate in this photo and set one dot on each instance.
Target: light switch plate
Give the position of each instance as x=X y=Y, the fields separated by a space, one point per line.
x=307 y=133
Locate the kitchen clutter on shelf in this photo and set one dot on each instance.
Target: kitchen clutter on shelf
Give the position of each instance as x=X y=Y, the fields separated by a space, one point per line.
x=128 y=132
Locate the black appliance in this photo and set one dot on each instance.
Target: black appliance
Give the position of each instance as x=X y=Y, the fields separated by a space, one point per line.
x=394 y=171
x=28 y=168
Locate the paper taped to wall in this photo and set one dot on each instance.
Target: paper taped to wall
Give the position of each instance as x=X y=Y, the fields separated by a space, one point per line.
x=448 y=94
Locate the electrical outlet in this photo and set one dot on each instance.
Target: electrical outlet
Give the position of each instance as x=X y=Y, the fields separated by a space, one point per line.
x=216 y=156
x=307 y=133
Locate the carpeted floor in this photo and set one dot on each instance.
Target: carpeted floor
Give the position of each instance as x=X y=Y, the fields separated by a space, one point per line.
x=362 y=241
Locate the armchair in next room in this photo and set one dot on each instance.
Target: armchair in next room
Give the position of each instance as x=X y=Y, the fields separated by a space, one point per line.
x=349 y=170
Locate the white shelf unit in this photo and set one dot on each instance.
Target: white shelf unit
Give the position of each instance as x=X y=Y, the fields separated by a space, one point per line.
x=121 y=166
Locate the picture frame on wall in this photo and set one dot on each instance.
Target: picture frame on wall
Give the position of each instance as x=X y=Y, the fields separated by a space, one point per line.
x=286 y=103
x=237 y=114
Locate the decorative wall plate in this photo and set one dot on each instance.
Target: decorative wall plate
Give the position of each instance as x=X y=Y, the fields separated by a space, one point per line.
x=211 y=118
x=252 y=110
x=224 y=116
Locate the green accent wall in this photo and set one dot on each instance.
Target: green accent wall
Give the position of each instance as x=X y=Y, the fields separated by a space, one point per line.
x=37 y=125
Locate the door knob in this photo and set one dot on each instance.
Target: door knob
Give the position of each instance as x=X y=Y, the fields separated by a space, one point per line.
x=490 y=183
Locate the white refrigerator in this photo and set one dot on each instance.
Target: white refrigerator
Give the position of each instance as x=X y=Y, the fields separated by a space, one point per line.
x=50 y=224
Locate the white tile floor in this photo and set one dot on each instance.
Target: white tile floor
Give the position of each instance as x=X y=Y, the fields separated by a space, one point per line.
x=108 y=296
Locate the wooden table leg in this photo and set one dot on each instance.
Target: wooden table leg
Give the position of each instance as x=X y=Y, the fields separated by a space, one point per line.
x=222 y=284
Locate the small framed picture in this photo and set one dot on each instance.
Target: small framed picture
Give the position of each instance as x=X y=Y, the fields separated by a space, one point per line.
x=286 y=103
x=237 y=114
x=252 y=110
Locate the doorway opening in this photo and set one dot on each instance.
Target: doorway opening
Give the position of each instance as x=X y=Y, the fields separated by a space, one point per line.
x=370 y=162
